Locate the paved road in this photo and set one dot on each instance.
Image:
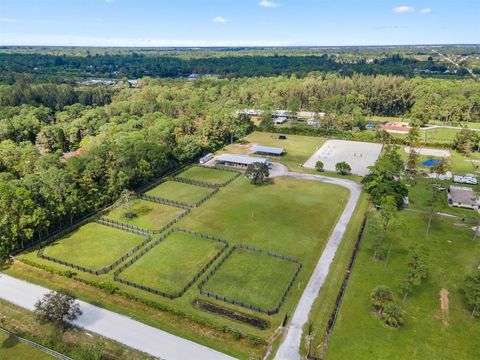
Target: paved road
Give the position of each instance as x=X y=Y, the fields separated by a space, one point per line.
x=290 y=345
x=120 y=328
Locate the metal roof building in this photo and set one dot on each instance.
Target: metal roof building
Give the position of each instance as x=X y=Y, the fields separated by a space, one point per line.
x=267 y=150
x=239 y=160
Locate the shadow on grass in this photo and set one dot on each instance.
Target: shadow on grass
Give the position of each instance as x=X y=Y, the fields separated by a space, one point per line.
x=9 y=343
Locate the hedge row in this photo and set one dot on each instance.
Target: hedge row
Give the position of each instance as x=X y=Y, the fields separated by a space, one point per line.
x=272 y=311
x=155 y=243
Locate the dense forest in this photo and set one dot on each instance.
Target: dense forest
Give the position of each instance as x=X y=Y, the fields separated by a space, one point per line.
x=137 y=65
x=68 y=149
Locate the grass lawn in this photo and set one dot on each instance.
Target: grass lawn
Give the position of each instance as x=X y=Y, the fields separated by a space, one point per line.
x=174 y=190
x=12 y=349
x=149 y=215
x=252 y=278
x=290 y=217
x=429 y=332
x=93 y=246
x=298 y=148
x=212 y=176
x=171 y=264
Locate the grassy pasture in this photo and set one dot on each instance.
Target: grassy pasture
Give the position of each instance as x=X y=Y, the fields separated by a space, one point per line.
x=252 y=278
x=12 y=349
x=429 y=332
x=148 y=215
x=93 y=246
x=212 y=176
x=171 y=264
x=174 y=190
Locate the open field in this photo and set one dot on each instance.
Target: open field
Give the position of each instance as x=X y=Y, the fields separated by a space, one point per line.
x=148 y=215
x=171 y=264
x=297 y=148
x=174 y=190
x=290 y=217
x=452 y=255
x=252 y=278
x=212 y=176
x=93 y=246
x=12 y=349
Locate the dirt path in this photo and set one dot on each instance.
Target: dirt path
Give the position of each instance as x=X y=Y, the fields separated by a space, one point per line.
x=290 y=346
x=444 y=306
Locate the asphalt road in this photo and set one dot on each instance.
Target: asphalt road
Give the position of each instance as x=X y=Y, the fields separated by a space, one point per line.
x=117 y=327
x=290 y=346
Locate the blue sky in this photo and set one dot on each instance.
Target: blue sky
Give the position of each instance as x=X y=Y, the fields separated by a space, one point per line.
x=238 y=22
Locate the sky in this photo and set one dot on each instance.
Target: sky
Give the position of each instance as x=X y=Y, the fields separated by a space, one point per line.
x=238 y=22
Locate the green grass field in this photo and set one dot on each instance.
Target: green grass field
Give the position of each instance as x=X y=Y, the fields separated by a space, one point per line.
x=174 y=190
x=253 y=278
x=171 y=264
x=429 y=332
x=290 y=217
x=212 y=176
x=93 y=246
x=297 y=148
x=148 y=215
x=12 y=349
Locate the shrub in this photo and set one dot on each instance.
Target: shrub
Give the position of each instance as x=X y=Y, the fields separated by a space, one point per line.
x=319 y=166
x=392 y=315
x=343 y=168
x=380 y=297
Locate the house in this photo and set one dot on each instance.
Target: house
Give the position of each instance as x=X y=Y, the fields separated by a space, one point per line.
x=249 y=112
x=241 y=161
x=280 y=120
x=464 y=197
x=283 y=114
x=310 y=114
x=193 y=76
x=313 y=122
x=267 y=150
x=396 y=127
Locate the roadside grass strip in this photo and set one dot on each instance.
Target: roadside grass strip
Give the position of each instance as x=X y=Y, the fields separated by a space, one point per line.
x=251 y=278
x=144 y=215
x=170 y=265
x=93 y=248
x=179 y=194
x=212 y=177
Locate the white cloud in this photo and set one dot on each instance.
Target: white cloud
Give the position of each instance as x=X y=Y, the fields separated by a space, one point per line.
x=10 y=20
x=403 y=9
x=219 y=20
x=268 y=4
x=425 y=11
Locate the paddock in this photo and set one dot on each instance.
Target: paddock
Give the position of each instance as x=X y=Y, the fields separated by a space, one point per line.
x=359 y=155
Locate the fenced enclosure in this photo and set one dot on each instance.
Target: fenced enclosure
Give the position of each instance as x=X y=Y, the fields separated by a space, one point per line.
x=244 y=304
x=185 y=287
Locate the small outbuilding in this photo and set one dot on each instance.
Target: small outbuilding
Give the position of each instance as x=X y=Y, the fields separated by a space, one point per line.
x=267 y=150
x=463 y=197
x=241 y=161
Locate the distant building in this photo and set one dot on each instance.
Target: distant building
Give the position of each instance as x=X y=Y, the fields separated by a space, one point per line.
x=241 y=161
x=193 y=76
x=396 y=127
x=310 y=114
x=249 y=112
x=280 y=120
x=267 y=150
x=206 y=158
x=463 y=197
x=313 y=122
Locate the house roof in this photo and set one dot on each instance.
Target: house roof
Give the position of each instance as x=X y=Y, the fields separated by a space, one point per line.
x=396 y=128
x=267 y=149
x=241 y=159
x=463 y=195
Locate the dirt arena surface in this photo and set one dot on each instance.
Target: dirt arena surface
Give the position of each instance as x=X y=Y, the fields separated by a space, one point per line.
x=429 y=152
x=359 y=155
